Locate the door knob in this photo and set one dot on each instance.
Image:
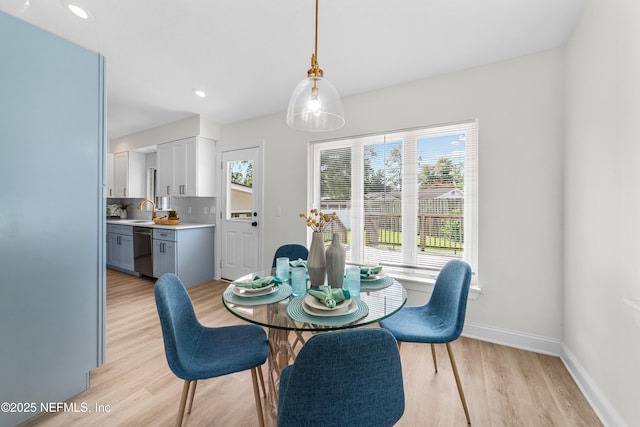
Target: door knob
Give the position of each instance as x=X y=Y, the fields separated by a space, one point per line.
x=254 y=224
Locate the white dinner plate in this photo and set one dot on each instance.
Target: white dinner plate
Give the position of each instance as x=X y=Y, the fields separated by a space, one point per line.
x=255 y=290
x=341 y=310
x=380 y=275
x=244 y=292
x=314 y=303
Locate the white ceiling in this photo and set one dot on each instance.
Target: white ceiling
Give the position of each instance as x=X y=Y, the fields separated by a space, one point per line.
x=248 y=55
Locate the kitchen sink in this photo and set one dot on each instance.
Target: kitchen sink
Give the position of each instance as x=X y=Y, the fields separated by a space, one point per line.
x=134 y=221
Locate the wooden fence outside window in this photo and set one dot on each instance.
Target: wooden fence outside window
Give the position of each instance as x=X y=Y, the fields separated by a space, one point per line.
x=440 y=224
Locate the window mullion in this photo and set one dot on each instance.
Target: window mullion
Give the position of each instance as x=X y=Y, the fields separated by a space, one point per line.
x=409 y=199
x=357 y=202
x=471 y=200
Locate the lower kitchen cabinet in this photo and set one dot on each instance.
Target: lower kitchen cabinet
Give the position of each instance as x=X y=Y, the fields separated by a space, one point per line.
x=120 y=247
x=164 y=252
x=188 y=253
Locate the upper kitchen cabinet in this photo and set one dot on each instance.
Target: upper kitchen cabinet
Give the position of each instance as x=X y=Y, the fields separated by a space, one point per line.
x=128 y=175
x=186 y=168
x=110 y=175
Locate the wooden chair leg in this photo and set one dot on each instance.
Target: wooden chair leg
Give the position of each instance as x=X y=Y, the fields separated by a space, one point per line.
x=192 y=394
x=299 y=339
x=264 y=390
x=256 y=394
x=458 y=383
x=433 y=355
x=183 y=402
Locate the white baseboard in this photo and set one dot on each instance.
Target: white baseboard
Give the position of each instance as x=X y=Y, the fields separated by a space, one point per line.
x=510 y=338
x=553 y=347
x=598 y=401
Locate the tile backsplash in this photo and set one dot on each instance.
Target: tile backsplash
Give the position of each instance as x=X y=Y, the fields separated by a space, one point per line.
x=200 y=210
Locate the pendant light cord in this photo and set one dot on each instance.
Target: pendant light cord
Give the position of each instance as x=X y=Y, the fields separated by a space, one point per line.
x=316 y=50
x=315 y=70
x=314 y=110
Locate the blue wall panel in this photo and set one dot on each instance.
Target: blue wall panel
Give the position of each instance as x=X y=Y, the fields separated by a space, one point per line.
x=51 y=216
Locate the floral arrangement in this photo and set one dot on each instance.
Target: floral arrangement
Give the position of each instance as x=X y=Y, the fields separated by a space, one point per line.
x=317 y=220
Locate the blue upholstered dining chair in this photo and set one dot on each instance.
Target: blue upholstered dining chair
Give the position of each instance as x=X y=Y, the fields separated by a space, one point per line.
x=440 y=320
x=196 y=352
x=293 y=251
x=344 y=378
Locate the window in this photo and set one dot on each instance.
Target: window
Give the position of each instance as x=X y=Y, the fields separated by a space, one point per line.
x=240 y=190
x=406 y=199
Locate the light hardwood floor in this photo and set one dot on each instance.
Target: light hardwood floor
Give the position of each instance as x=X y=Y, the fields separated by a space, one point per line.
x=503 y=386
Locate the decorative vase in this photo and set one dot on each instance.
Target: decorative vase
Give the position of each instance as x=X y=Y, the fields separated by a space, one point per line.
x=316 y=262
x=335 y=257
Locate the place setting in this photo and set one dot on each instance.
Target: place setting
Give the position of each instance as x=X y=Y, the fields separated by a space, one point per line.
x=327 y=307
x=257 y=291
x=372 y=277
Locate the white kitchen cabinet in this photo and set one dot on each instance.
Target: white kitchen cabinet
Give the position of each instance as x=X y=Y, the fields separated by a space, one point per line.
x=164 y=170
x=120 y=247
x=110 y=175
x=129 y=174
x=188 y=253
x=186 y=168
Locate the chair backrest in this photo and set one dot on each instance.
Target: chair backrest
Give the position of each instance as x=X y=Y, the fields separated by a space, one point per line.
x=293 y=251
x=180 y=326
x=449 y=298
x=344 y=378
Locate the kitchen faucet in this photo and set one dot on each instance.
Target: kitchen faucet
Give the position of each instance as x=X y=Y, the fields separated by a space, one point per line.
x=153 y=207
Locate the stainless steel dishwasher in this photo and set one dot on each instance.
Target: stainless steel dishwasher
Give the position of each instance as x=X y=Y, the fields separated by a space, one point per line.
x=143 y=250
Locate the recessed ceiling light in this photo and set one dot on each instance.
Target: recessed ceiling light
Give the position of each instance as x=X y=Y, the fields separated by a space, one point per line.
x=199 y=93
x=77 y=10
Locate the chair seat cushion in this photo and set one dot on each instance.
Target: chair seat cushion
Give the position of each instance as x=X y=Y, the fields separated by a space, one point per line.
x=226 y=350
x=419 y=324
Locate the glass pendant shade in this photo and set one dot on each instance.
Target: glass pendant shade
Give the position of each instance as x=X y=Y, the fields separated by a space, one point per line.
x=315 y=106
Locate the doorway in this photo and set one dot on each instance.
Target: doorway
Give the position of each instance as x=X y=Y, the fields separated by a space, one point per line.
x=240 y=212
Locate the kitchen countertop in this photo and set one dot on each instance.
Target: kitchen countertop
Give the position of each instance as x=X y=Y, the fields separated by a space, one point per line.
x=151 y=224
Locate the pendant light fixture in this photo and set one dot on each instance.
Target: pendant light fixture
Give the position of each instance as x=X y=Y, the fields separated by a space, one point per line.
x=315 y=104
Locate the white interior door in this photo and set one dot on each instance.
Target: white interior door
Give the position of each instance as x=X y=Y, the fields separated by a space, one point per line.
x=240 y=212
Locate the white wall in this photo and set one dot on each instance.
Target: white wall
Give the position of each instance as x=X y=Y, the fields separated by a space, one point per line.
x=602 y=256
x=185 y=128
x=519 y=105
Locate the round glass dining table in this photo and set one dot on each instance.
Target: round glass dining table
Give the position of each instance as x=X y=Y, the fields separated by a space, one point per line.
x=288 y=319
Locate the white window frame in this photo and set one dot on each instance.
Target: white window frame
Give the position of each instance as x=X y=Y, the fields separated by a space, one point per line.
x=408 y=271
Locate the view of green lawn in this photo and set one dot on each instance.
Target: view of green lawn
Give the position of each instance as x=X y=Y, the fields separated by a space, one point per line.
x=393 y=239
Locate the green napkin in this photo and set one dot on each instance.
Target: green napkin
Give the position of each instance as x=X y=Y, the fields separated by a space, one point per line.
x=330 y=296
x=298 y=263
x=257 y=282
x=369 y=271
